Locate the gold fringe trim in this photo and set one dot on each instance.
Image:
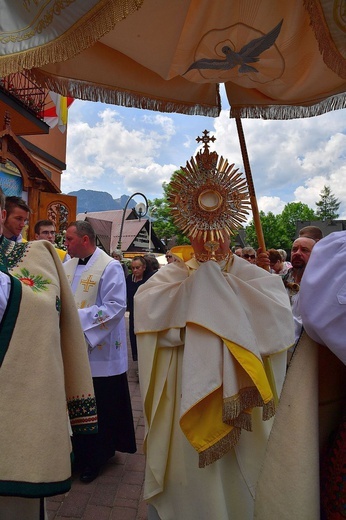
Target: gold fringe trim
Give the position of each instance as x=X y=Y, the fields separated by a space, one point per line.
x=218 y=450
x=101 y=19
x=268 y=410
x=243 y=421
x=323 y=106
x=332 y=57
x=126 y=98
x=235 y=408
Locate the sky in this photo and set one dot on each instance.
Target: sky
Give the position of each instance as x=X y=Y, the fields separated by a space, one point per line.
x=125 y=150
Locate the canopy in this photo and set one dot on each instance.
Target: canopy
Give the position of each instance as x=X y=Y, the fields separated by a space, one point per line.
x=277 y=59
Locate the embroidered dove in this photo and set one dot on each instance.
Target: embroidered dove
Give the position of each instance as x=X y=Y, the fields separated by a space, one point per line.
x=248 y=54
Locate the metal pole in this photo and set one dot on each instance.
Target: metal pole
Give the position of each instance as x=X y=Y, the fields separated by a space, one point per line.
x=124 y=212
x=149 y=242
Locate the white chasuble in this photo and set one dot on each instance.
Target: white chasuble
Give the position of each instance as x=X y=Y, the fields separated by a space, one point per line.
x=212 y=347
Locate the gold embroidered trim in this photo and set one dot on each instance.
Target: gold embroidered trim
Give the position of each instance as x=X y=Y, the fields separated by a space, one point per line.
x=219 y=449
x=80 y=36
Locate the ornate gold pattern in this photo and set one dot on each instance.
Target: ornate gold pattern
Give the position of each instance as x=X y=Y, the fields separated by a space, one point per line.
x=208 y=197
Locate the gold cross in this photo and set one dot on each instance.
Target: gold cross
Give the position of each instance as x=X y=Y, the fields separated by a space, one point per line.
x=87 y=282
x=205 y=139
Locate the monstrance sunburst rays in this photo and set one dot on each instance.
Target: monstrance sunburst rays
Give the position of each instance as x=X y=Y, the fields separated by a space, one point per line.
x=208 y=197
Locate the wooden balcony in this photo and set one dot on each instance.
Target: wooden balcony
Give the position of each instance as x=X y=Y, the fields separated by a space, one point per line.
x=24 y=100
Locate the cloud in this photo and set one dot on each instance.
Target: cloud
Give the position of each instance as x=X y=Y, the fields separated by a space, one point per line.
x=106 y=153
x=154 y=175
x=273 y=204
x=291 y=160
x=123 y=150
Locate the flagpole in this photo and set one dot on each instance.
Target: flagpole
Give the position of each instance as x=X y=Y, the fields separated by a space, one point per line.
x=251 y=187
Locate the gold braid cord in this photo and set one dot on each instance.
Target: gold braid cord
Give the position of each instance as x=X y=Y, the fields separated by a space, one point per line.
x=208 y=197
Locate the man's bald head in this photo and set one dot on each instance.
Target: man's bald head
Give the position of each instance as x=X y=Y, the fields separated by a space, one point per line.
x=301 y=251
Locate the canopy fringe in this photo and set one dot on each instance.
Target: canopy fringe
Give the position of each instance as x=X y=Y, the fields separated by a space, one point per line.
x=331 y=54
x=336 y=102
x=95 y=24
x=89 y=92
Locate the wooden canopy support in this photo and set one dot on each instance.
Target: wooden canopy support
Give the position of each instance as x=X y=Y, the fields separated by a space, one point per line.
x=251 y=187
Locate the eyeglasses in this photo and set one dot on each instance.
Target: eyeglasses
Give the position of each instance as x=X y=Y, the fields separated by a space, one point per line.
x=169 y=256
x=47 y=233
x=249 y=256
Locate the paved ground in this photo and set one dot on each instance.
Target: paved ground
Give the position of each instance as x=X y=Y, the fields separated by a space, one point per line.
x=116 y=494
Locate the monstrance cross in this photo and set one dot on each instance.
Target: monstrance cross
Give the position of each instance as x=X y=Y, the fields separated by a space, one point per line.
x=205 y=139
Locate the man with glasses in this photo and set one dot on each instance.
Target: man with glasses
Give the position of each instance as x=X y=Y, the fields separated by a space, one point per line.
x=17 y=215
x=45 y=230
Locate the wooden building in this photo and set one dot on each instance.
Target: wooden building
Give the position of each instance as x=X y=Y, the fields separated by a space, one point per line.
x=32 y=155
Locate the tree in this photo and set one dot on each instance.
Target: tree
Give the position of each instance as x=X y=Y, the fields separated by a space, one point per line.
x=328 y=205
x=273 y=231
x=163 y=224
x=279 y=230
x=292 y=212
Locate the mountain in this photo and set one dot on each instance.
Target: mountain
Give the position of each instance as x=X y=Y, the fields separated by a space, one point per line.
x=91 y=200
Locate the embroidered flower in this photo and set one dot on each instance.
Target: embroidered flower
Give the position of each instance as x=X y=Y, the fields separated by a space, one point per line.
x=27 y=281
x=100 y=318
x=36 y=282
x=117 y=344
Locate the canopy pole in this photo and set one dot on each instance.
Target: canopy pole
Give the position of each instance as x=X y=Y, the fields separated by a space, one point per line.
x=251 y=187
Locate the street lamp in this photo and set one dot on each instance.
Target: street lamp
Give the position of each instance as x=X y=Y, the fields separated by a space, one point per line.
x=140 y=209
x=150 y=210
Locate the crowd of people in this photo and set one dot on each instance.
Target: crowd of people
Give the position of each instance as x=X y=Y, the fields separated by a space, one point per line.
x=204 y=374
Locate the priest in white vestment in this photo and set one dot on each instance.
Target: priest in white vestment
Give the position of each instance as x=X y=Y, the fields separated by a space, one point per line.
x=99 y=289
x=213 y=333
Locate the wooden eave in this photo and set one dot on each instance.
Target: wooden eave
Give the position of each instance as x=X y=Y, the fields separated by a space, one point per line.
x=32 y=174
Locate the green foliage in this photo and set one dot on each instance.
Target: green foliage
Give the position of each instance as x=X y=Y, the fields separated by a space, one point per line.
x=328 y=205
x=163 y=224
x=273 y=230
x=292 y=212
x=279 y=230
x=60 y=241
